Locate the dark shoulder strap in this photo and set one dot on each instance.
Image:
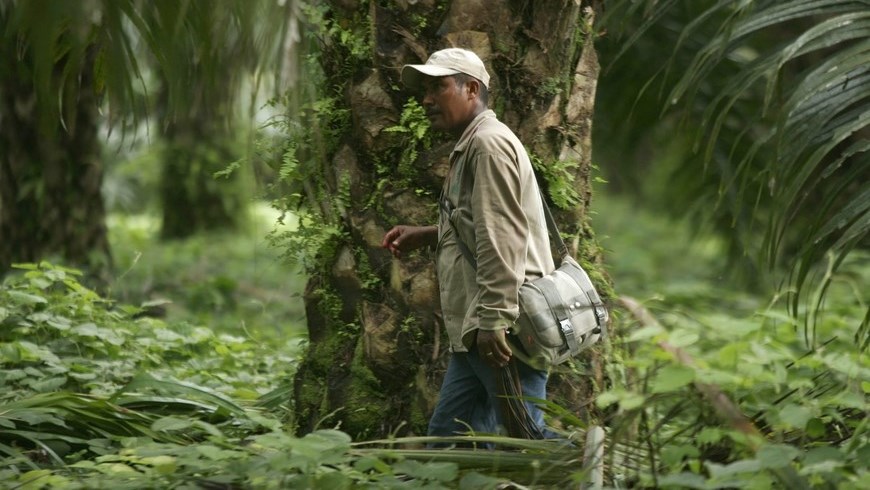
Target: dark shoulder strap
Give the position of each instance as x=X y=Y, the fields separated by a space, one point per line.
x=553 y=229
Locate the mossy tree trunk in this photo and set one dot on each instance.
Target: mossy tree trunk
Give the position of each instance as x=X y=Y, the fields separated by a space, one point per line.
x=51 y=171
x=377 y=349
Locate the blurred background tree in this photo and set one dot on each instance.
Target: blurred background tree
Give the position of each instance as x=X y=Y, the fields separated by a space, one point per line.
x=65 y=62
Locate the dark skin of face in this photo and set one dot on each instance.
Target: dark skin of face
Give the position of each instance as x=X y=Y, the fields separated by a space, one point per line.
x=449 y=105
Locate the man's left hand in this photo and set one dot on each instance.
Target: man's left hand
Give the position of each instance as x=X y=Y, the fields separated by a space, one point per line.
x=493 y=348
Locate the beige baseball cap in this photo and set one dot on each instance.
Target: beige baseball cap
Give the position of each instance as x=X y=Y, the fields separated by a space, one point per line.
x=446 y=62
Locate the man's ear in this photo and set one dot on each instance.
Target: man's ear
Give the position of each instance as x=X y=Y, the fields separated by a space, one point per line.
x=473 y=87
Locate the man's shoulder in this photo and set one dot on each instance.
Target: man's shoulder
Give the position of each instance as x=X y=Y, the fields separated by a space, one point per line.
x=493 y=135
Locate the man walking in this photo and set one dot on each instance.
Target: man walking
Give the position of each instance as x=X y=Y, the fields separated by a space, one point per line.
x=490 y=238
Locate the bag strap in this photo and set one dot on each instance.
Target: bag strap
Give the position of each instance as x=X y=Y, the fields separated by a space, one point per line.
x=552 y=228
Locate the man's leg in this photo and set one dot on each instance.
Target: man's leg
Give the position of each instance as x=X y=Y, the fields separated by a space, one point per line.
x=463 y=403
x=533 y=382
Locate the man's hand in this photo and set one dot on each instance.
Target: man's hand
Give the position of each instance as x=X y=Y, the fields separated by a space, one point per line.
x=493 y=348
x=402 y=239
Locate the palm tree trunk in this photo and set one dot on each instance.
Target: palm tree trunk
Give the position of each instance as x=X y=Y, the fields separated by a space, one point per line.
x=198 y=142
x=50 y=172
x=376 y=357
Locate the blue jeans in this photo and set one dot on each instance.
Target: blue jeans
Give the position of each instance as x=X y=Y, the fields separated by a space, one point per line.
x=469 y=398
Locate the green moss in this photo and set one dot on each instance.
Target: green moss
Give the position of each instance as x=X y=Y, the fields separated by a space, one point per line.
x=418 y=420
x=370 y=280
x=365 y=403
x=552 y=86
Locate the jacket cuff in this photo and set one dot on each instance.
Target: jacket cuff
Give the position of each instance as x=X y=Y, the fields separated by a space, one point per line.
x=494 y=325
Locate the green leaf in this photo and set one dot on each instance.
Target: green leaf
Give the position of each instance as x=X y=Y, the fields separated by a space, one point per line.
x=171 y=423
x=369 y=462
x=435 y=471
x=736 y=468
x=672 y=377
x=816 y=428
x=821 y=454
x=683 y=480
x=773 y=456
x=476 y=481
x=215 y=453
x=23 y=298
x=48 y=384
x=86 y=330
x=646 y=332
x=683 y=338
x=675 y=454
x=709 y=435
x=795 y=416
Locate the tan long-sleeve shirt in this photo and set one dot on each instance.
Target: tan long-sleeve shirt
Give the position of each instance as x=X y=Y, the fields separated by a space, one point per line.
x=493 y=202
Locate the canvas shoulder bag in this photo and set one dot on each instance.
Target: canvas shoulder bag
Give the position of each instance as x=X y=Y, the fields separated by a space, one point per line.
x=561 y=313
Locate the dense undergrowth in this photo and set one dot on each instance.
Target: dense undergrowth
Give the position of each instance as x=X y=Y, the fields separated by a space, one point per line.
x=721 y=388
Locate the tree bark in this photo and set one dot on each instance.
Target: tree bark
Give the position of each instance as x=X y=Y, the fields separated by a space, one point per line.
x=375 y=363
x=51 y=172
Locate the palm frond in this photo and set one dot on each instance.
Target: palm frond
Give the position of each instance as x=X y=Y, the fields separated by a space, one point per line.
x=60 y=421
x=778 y=94
x=222 y=42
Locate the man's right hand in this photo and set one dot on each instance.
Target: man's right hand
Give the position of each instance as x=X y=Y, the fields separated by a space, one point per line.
x=402 y=239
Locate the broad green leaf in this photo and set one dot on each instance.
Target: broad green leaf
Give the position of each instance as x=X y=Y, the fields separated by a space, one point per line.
x=477 y=481
x=626 y=400
x=816 y=428
x=773 y=456
x=442 y=472
x=115 y=468
x=709 y=435
x=671 y=378
x=333 y=480
x=31 y=351
x=171 y=424
x=682 y=338
x=646 y=332
x=820 y=454
x=675 y=454
x=683 y=480
x=23 y=298
x=86 y=330
x=369 y=462
x=736 y=468
x=215 y=453
x=165 y=465
x=48 y=384
x=631 y=401
x=41 y=282
x=795 y=416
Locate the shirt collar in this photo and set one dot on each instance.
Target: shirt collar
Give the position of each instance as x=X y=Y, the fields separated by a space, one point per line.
x=471 y=129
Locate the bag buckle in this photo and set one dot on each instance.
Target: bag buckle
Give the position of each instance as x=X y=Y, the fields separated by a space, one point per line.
x=571 y=342
x=567 y=328
x=600 y=314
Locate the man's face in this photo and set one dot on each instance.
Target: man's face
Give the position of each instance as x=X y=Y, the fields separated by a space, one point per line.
x=448 y=105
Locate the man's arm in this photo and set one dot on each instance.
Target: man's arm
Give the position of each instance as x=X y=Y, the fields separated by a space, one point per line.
x=402 y=238
x=501 y=231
